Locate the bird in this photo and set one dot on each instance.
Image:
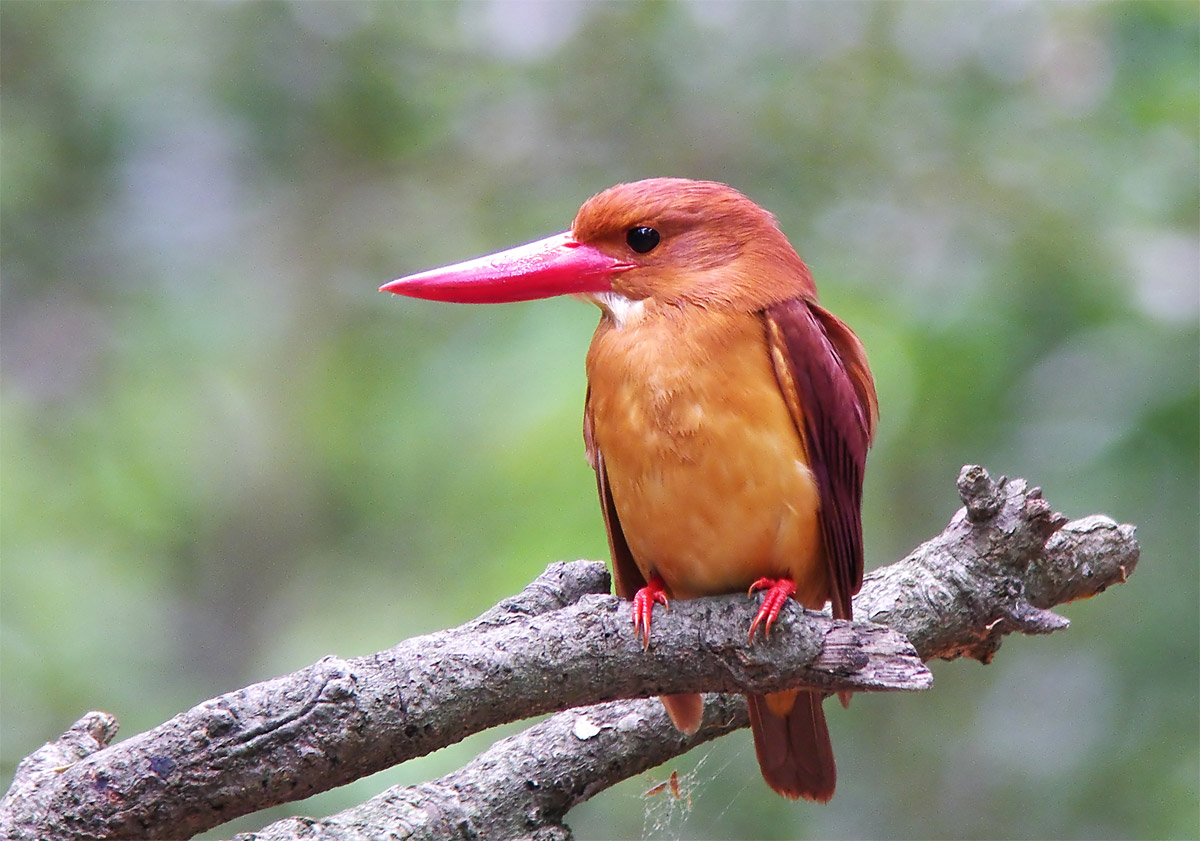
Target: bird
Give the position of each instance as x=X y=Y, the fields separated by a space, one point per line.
x=727 y=418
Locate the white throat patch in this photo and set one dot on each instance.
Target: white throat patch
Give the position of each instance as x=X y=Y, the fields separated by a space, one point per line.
x=622 y=310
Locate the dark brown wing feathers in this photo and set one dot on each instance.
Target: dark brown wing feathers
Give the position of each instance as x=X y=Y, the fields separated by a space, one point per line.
x=822 y=362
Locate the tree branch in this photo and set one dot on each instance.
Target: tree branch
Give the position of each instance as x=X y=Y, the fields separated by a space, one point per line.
x=997 y=568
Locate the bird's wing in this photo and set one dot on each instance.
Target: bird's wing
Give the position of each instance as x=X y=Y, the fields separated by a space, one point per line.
x=822 y=370
x=627 y=578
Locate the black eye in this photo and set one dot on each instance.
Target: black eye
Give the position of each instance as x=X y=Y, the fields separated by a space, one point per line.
x=642 y=239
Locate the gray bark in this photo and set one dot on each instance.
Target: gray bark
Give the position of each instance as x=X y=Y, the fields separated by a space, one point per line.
x=1003 y=561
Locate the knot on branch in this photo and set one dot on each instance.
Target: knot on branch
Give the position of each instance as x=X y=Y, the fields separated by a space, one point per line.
x=1031 y=519
x=1044 y=521
x=979 y=493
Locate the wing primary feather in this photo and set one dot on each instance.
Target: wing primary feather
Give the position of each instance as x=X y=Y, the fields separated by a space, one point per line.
x=822 y=371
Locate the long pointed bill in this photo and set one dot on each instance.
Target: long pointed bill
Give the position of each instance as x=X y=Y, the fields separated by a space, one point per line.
x=557 y=265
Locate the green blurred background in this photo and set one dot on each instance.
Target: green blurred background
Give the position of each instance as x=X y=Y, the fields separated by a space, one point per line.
x=226 y=455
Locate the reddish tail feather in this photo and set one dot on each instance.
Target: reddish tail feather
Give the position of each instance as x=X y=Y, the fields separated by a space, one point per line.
x=793 y=750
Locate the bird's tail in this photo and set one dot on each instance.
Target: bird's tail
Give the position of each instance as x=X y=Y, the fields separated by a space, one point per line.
x=792 y=743
x=686 y=711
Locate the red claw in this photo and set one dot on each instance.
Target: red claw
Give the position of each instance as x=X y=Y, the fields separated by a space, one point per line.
x=643 y=606
x=779 y=590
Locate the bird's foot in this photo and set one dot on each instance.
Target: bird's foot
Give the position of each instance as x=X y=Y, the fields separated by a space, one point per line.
x=643 y=606
x=779 y=590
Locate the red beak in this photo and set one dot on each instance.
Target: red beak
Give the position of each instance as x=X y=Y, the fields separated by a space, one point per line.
x=557 y=265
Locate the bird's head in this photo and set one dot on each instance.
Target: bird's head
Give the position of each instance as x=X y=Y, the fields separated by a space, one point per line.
x=669 y=239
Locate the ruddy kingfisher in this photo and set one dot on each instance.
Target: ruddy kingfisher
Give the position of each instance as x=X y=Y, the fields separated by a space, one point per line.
x=727 y=417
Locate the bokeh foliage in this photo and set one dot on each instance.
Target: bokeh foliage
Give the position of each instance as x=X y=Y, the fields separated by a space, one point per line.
x=224 y=455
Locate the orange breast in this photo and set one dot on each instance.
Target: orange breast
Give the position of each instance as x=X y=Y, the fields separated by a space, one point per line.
x=705 y=466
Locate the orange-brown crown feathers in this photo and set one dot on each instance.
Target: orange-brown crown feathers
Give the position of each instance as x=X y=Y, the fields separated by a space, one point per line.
x=717 y=248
